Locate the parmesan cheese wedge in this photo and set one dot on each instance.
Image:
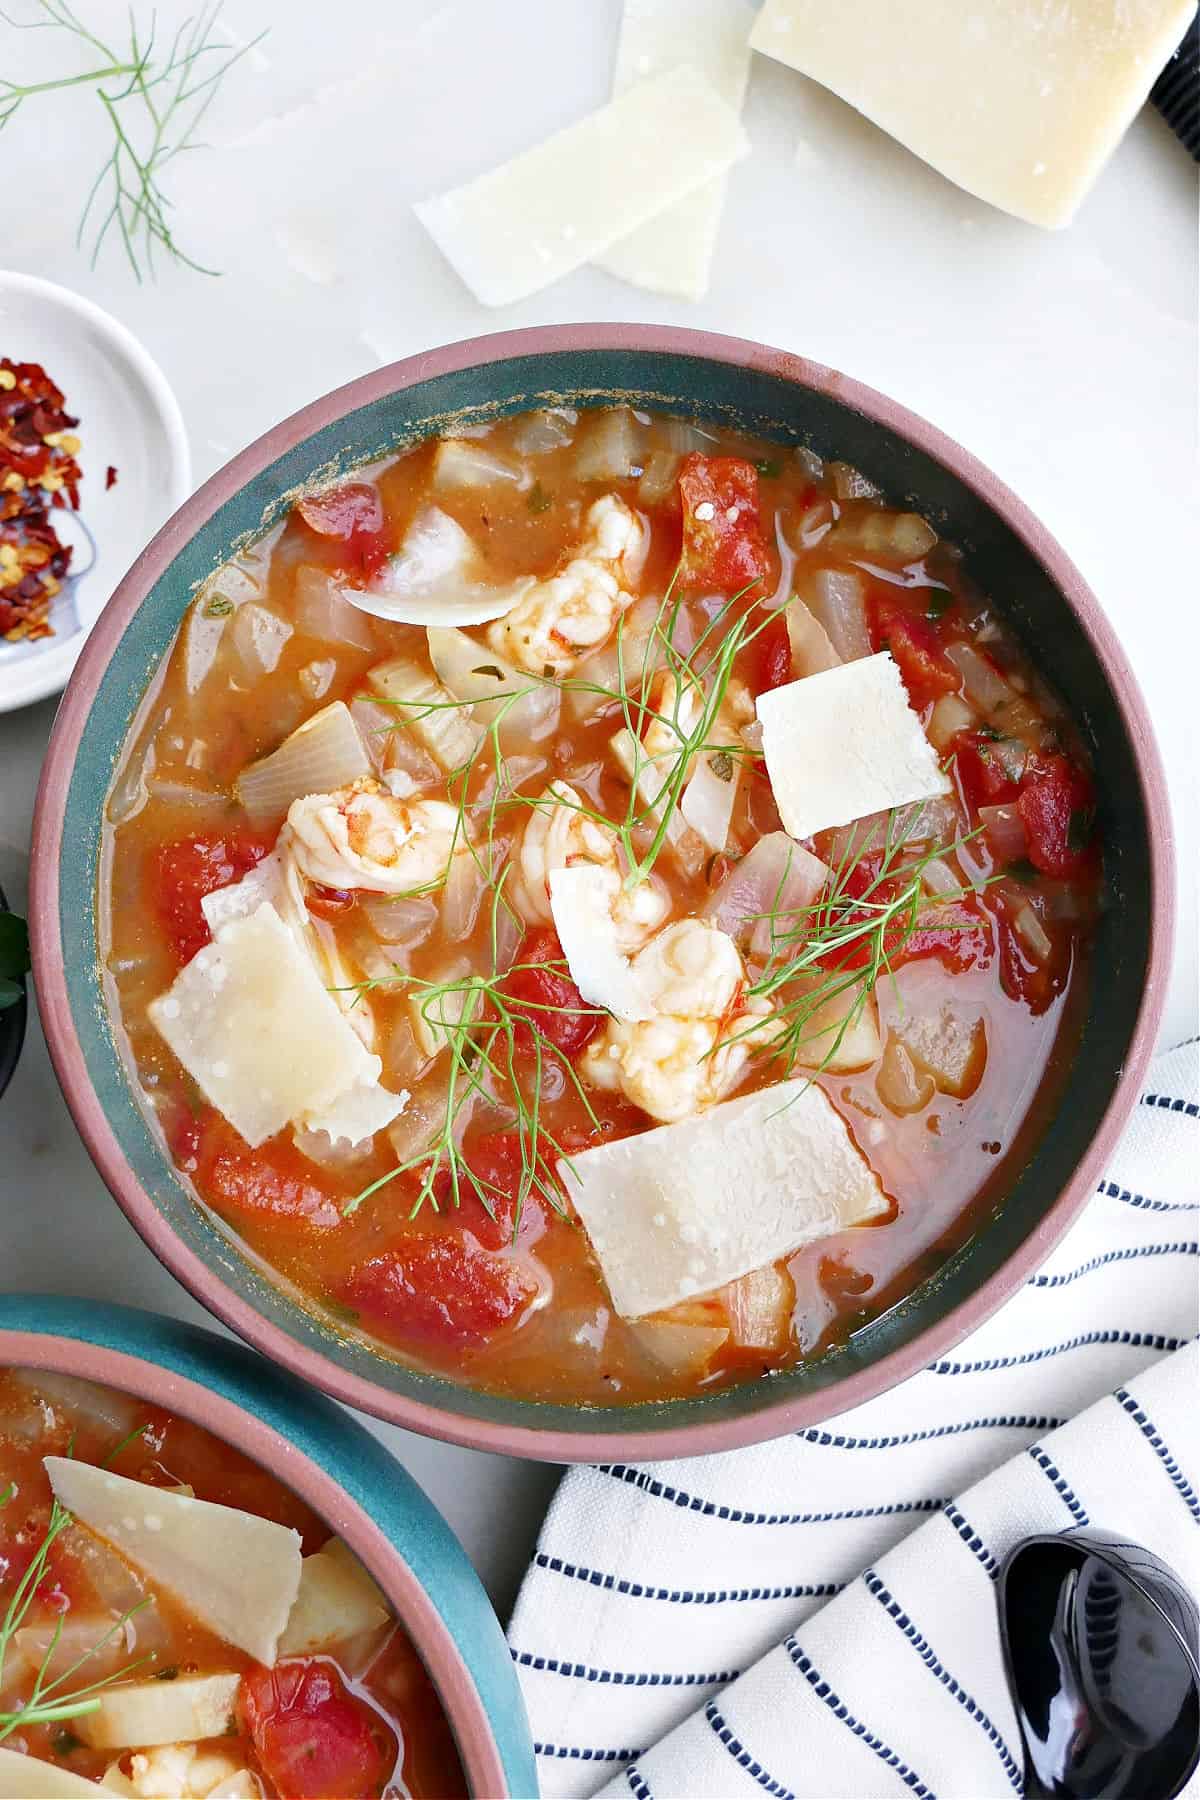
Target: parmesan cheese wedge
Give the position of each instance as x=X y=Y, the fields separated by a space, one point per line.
x=1019 y=101
x=337 y=1600
x=29 y=1778
x=436 y=578
x=565 y=202
x=685 y=1208
x=581 y=898
x=238 y=1573
x=845 y=743
x=147 y=1713
x=672 y=254
x=251 y=1023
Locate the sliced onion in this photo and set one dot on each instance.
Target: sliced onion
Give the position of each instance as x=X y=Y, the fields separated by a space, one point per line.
x=322 y=755
x=1032 y=933
x=527 y=706
x=173 y=789
x=515 y=773
x=950 y=715
x=323 y=611
x=542 y=431
x=777 y=876
x=661 y=474
x=435 y=578
x=684 y=435
x=839 y=605
x=760 y=1308
x=810 y=462
x=462 y=895
x=752 y=736
x=949 y=1045
x=892 y=537
x=939 y=879
x=376 y=724
x=422 y=1120
x=427 y=711
x=258 y=636
x=1006 y=832
x=103 y=1409
x=812 y=651
x=316 y=677
x=707 y=800
x=401 y=920
x=840 y=1033
x=849 y=483
x=984 y=685
x=459 y=463
x=683 y=1350
x=902 y=1087
x=609 y=447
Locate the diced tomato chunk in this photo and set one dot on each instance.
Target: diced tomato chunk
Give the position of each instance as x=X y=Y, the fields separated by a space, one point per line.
x=772 y=652
x=723 y=545
x=916 y=648
x=330 y=903
x=181 y=874
x=539 y=987
x=439 y=1288
x=495 y=1160
x=956 y=933
x=1056 y=804
x=982 y=771
x=1024 y=978
x=354 y=514
x=273 y=1185
x=314 y=1737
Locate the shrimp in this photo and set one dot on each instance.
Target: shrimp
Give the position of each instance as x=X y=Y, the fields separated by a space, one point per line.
x=696 y=1048
x=559 y=832
x=187 y=1772
x=563 y=619
x=364 y=837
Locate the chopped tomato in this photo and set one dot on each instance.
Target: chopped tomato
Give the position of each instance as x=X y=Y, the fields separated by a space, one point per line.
x=273 y=1184
x=916 y=648
x=723 y=545
x=955 y=933
x=497 y=1163
x=772 y=653
x=984 y=774
x=439 y=1288
x=1023 y=978
x=353 y=514
x=1056 y=804
x=540 y=987
x=181 y=874
x=313 y=1736
x=330 y=903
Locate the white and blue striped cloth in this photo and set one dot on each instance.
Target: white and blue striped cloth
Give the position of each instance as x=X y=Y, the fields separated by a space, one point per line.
x=816 y=1616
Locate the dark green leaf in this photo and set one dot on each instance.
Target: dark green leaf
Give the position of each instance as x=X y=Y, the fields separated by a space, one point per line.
x=989 y=731
x=170 y=1673
x=64 y=1742
x=940 y=600
x=722 y=765
x=1023 y=871
x=539 y=500
x=489 y=669
x=218 y=607
x=768 y=468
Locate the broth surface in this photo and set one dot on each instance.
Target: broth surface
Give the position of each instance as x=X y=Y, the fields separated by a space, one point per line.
x=458 y=1251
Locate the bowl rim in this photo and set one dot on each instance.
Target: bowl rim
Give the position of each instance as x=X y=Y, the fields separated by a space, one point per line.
x=623 y=1442
x=136 y=1371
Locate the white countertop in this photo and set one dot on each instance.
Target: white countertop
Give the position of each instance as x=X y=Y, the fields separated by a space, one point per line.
x=1065 y=361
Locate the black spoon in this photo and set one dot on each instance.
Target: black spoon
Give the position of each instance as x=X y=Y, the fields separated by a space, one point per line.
x=1100 y=1643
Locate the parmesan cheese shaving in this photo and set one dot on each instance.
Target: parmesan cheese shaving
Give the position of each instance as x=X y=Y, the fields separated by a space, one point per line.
x=514 y=230
x=672 y=254
x=685 y=1208
x=581 y=901
x=843 y=744
x=29 y=1778
x=238 y=1573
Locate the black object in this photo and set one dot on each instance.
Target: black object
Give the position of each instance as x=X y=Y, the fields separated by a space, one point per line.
x=12 y=1028
x=1100 y=1649
x=1176 y=93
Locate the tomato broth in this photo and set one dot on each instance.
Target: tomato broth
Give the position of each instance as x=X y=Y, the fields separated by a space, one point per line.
x=108 y=1671
x=619 y=592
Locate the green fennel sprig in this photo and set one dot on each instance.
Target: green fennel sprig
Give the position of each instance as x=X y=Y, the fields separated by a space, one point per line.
x=154 y=98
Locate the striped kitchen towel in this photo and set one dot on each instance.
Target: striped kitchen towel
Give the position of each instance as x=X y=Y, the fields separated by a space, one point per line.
x=816 y=1616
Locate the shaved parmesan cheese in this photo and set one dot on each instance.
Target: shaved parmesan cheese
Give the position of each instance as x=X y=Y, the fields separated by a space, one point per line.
x=435 y=578
x=845 y=743
x=581 y=901
x=685 y=1208
x=29 y=1778
x=337 y=1600
x=672 y=254
x=357 y=1114
x=262 y=1038
x=1019 y=103
x=565 y=202
x=238 y=1573
x=146 y=1713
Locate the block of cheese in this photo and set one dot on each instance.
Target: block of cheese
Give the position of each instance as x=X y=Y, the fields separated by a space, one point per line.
x=685 y=1208
x=672 y=254
x=29 y=1778
x=261 y=1037
x=563 y=203
x=581 y=898
x=1019 y=101
x=843 y=744
x=237 y=1572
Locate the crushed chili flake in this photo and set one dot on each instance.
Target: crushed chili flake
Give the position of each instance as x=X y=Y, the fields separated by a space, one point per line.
x=110 y=478
x=38 y=471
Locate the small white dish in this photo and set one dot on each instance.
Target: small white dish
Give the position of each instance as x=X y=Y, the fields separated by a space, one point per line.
x=128 y=420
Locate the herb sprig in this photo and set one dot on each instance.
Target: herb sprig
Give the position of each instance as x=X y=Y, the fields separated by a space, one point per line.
x=154 y=96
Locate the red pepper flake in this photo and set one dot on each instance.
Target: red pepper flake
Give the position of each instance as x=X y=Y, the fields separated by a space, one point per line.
x=38 y=471
x=110 y=478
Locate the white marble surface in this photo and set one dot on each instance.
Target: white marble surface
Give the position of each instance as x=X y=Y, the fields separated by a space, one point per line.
x=1065 y=361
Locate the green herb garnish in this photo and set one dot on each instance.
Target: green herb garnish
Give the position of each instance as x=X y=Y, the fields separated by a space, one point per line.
x=769 y=469
x=1023 y=871
x=940 y=601
x=14 y=958
x=218 y=607
x=153 y=97
x=539 y=500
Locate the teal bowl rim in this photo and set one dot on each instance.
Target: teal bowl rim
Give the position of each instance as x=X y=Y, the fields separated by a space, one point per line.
x=334 y=1464
x=310 y=448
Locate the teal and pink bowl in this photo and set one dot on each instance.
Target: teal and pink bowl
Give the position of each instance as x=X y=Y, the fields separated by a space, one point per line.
x=338 y=1468
x=691 y=375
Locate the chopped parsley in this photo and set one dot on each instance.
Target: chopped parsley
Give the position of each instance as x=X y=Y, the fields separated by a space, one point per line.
x=940 y=600
x=218 y=607
x=539 y=500
x=769 y=469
